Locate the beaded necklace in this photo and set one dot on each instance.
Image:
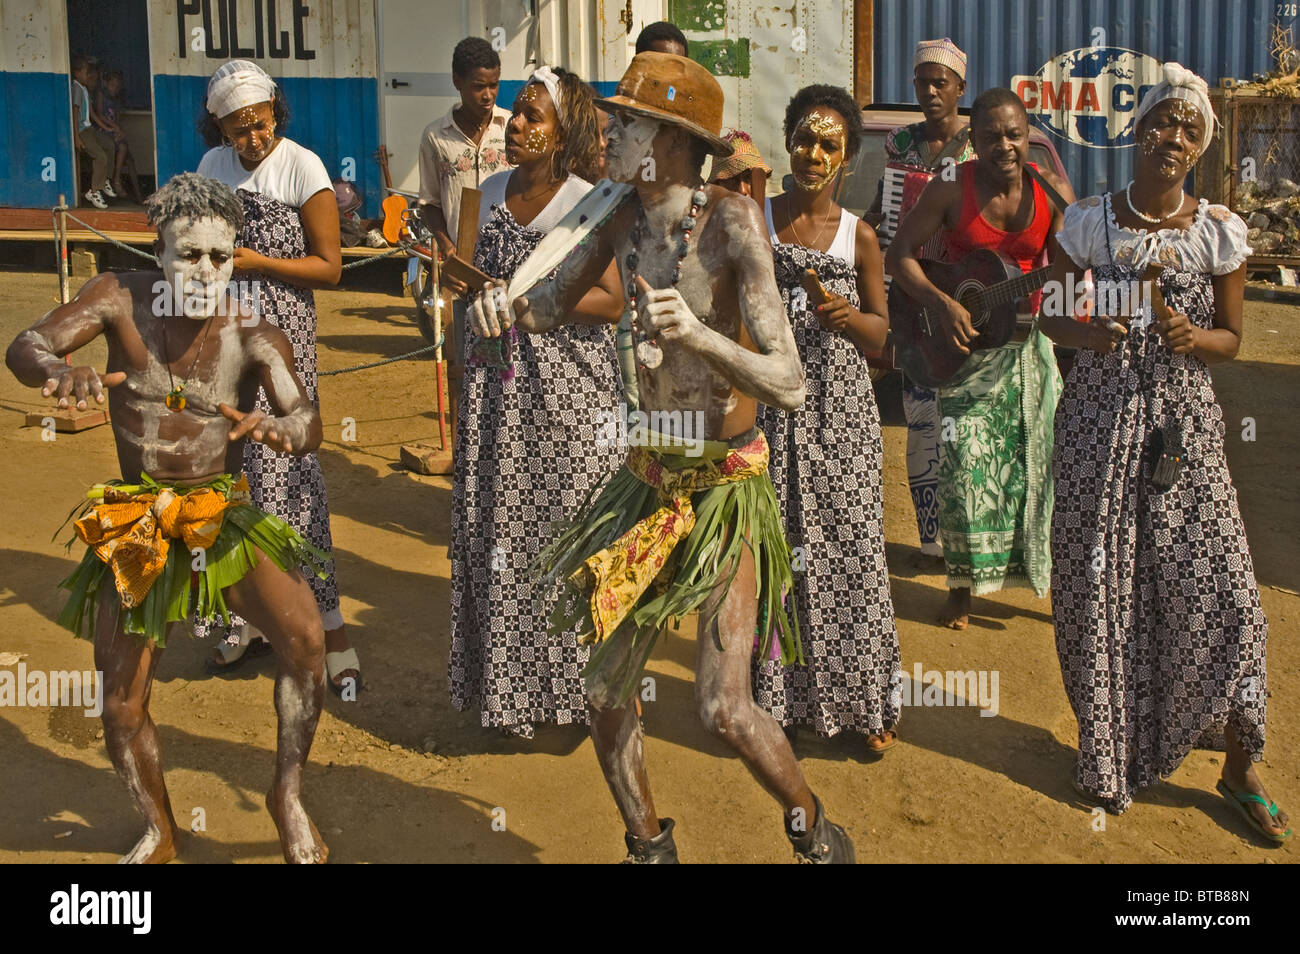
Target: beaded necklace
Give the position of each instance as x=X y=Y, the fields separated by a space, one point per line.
x=648 y=354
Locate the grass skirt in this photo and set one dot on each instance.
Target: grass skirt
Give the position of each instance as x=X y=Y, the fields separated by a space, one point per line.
x=727 y=517
x=245 y=531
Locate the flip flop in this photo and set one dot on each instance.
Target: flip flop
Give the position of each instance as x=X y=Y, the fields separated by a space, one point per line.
x=1242 y=801
x=336 y=663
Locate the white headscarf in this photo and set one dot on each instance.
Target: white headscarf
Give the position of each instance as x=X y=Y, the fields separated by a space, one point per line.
x=1180 y=83
x=546 y=76
x=237 y=84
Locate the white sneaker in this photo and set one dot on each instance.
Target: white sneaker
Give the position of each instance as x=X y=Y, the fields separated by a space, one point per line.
x=107 y=189
x=95 y=199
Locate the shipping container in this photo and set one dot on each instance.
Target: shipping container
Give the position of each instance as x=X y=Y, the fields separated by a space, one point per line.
x=1079 y=66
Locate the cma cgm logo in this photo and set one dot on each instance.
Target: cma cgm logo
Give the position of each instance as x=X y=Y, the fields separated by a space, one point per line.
x=1090 y=95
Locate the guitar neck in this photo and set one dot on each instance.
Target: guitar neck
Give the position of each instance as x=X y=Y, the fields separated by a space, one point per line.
x=1013 y=289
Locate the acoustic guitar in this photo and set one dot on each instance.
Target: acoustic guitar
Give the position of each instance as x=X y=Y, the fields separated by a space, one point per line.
x=986 y=285
x=393 y=205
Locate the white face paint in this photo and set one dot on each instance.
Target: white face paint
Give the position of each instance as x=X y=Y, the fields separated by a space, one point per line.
x=197 y=260
x=628 y=140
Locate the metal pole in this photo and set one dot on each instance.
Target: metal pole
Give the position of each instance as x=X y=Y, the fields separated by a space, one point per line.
x=61 y=237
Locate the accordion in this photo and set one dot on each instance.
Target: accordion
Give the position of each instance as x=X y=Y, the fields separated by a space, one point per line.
x=901 y=190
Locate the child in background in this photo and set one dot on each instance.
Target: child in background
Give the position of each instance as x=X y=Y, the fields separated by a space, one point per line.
x=89 y=140
x=108 y=108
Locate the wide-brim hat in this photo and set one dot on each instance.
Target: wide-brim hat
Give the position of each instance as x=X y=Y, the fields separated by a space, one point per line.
x=745 y=157
x=672 y=89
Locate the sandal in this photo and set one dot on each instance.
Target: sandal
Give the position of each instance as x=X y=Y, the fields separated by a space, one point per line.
x=231 y=656
x=1242 y=800
x=883 y=742
x=336 y=663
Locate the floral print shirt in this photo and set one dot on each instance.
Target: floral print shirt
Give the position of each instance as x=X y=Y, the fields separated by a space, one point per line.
x=449 y=162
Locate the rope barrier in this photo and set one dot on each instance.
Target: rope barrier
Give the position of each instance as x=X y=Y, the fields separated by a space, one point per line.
x=107 y=238
x=399 y=249
x=376 y=364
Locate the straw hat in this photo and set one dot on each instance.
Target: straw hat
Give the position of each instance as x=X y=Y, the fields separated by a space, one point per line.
x=672 y=89
x=745 y=157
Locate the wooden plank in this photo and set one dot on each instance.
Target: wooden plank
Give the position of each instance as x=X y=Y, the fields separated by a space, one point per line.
x=77 y=235
x=467 y=226
x=102 y=219
x=68 y=420
x=863 y=52
x=364 y=251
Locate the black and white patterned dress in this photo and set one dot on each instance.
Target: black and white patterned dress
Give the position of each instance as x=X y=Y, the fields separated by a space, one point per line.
x=1159 y=628
x=826 y=463
x=292 y=488
x=526 y=457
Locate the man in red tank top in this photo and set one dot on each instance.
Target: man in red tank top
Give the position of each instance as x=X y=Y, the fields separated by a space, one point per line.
x=995 y=490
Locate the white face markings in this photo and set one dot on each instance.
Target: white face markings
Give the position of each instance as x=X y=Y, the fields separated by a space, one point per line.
x=1174 y=120
x=627 y=143
x=197 y=260
x=532 y=105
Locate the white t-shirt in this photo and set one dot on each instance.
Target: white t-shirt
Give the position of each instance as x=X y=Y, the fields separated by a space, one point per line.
x=565 y=198
x=290 y=174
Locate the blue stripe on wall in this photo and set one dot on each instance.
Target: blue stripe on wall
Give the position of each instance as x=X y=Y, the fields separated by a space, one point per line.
x=36 y=125
x=509 y=89
x=338 y=119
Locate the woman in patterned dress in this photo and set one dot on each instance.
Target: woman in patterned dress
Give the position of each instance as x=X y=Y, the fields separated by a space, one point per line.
x=288 y=246
x=530 y=413
x=827 y=457
x=1158 y=622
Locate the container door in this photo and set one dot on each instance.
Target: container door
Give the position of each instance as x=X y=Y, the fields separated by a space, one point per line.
x=416 y=41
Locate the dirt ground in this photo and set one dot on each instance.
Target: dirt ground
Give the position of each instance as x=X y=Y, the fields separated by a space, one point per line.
x=959 y=787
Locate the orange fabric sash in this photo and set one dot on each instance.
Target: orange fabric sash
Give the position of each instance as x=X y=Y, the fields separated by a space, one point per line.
x=132 y=531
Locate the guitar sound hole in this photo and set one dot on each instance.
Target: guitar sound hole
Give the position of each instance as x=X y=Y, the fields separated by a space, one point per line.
x=978 y=316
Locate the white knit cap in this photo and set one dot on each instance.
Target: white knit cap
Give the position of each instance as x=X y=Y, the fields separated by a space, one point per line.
x=1179 y=83
x=237 y=84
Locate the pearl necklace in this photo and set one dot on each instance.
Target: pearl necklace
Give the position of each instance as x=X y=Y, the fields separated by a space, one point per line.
x=648 y=354
x=1151 y=220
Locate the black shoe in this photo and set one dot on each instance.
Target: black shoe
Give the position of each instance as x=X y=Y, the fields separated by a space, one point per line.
x=659 y=850
x=826 y=844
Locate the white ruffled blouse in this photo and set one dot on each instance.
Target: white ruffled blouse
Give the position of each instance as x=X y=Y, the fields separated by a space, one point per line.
x=1214 y=243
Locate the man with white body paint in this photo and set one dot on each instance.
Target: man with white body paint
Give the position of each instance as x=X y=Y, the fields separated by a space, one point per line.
x=183 y=357
x=696 y=265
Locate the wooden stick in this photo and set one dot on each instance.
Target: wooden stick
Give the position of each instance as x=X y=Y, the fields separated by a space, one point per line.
x=61 y=237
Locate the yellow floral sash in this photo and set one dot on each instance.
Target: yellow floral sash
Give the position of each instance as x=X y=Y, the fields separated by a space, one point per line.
x=131 y=530
x=623 y=571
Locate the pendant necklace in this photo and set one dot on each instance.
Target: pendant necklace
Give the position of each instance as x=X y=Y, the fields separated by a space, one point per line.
x=175 y=399
x=789 y=216
x=1149 y=219
x=648 y=354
